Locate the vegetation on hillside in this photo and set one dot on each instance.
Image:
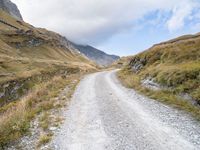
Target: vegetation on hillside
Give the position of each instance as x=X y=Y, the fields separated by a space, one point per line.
x=35 y=64
x=16 y=116
x=174 y=65
x=31 y=55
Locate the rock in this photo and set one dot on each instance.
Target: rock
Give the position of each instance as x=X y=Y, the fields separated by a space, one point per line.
x=137 y=64
x=151 y=84
x=98 y=56
x=34 y=42
x=11 y=8
x=187 y=97
x=53 y=128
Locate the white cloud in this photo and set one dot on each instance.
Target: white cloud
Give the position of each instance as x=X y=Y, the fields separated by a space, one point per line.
x=93 y=21
x=180 y=14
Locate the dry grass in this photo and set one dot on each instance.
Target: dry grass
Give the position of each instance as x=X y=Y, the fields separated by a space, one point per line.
x=131 y=80
x=14 y=123
x=44 y=139
x=27 y=60
x=174 y=64
x=15 y=119
x=44 y=120
x=19 y=60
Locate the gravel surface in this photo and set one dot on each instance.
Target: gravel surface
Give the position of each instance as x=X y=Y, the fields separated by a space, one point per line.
x=104 y=115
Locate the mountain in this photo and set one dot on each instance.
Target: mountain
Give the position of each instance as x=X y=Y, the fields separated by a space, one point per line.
x=92 y=53
x=27 y=53
x=35 y=66
x=171 y=69
x=10 y=8
x=98 y=56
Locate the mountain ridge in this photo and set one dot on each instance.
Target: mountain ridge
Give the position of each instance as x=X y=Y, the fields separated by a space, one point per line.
x=96 y=55
x=10 y=8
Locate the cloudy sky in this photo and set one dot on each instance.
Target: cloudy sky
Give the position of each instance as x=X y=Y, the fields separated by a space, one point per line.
x=120 y=27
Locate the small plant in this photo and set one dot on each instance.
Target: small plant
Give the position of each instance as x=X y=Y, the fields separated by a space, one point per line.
x=44 y=139
x=44 y=121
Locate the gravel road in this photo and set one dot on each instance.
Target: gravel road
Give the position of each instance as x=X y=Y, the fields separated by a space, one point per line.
x=104 y=115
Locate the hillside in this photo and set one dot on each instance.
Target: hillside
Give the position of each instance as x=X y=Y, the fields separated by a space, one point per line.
x=26 y=51
x=11 y=8
x=169 y=72
x=35 y=66
x=99 y=57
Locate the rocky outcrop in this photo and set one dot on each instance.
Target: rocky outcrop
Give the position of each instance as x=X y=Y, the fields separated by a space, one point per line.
x=4 y=22
x=15 y=89
x=151 y=84
x=98 y=56
x=137 y=64
x=11 y=8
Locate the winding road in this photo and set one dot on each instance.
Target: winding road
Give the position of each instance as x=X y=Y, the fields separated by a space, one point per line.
x=104 y=115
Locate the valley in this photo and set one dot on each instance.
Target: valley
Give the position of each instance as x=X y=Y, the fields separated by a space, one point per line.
x=58 y=94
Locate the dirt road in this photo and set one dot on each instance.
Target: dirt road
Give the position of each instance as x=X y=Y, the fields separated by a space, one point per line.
x=104 y=115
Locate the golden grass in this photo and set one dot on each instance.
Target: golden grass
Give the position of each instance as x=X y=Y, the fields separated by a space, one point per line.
x=44 y=120
x=15 y=119
x=131 y=80
x=175 y=65
x=44 y=139
x=21 y=62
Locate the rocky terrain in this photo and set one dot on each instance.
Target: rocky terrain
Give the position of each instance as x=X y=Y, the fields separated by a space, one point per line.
x=100 y=57
x=33 y=62
x=28 y=54
x=90 y=52
x=11 y=8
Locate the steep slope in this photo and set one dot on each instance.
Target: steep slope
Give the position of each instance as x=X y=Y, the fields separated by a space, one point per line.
x=100 y=57
x=27 y=52
x=93 y=54
x=10 y=8
x=36 y=65
x=171 y=69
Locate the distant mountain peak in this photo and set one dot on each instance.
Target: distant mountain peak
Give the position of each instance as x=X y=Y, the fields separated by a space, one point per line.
x=11 y=8
x=97 y=56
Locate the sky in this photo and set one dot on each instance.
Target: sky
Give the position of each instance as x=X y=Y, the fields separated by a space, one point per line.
x=121 y=27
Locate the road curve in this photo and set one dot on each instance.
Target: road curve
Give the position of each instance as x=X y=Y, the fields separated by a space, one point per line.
x=104 y=115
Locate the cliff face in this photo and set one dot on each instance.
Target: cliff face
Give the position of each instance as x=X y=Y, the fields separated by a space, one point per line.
x=11 y=8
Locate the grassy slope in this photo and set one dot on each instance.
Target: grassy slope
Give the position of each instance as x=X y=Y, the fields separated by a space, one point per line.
x=15 y=117
x=20 y=59
x=174 y=64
